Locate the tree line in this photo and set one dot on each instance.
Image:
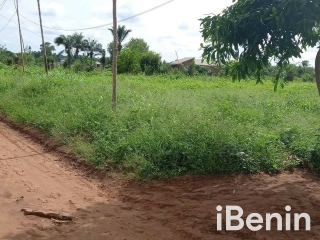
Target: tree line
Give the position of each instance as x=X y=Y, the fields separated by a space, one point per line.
x=81 y=53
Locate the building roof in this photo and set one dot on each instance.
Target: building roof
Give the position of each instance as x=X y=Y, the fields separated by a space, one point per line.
x=200 y=63
x=182 y=60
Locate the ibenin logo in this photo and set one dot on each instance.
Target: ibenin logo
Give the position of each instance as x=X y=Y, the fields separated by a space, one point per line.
x=255 y=222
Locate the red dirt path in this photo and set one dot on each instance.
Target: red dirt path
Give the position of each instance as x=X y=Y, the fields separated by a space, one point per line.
x=183 y=208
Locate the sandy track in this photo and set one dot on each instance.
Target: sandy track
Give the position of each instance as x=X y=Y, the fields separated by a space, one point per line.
x=181 y=208
x=33 y=178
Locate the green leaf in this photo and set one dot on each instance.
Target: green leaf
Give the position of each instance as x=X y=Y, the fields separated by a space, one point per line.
x=274 y=10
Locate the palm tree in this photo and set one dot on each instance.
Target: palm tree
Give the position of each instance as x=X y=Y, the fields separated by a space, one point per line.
x=305 y=64
x=122 y=33
x=79 y=43
x=49 y=48
x=93 y=46
x=67 y=42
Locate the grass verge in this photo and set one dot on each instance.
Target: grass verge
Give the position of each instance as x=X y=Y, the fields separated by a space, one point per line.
x=166 y=127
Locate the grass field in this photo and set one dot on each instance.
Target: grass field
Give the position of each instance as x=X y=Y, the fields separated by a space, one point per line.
x=167 y=126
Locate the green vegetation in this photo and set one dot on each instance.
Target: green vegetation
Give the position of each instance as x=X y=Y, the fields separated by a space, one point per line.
x=75 y=43
x=169 y=125
x=138 y=44
x=264 y=31
x=122 y=34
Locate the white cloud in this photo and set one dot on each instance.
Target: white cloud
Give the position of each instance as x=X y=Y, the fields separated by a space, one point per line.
x=52 y=9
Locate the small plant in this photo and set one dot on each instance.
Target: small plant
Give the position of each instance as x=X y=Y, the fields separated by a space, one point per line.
x=287 y=136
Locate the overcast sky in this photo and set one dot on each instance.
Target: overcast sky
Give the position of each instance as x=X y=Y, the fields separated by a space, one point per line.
x=170 y=28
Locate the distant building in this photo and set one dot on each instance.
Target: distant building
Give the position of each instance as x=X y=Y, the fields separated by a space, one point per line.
x=183 y=63
x=98 y=64
x=211 y=67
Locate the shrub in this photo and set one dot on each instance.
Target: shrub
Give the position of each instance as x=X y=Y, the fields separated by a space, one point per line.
x=128 y=62
x=83 y=64
x=150 y=62
x=165 y=68
x=65 y=64
x=191 y=69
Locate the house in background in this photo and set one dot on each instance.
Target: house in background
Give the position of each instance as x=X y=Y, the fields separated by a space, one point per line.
x=98 y=64
x=211 y=68
x=184 y=63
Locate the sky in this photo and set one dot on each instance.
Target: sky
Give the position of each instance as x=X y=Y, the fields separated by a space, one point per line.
x=171 y=30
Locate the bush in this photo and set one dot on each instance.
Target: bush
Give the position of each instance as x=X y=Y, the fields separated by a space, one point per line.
x=165 y=68
x=191 y=69
x=65 y=64
x=83 y=64
x=150 y=62
x=6 y=56
x=128 y=62
x=201 y=70
x=291 y=73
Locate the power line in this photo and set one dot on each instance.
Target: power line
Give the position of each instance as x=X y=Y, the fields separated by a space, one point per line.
x=2 y=4
x=104 y=25
x=8 y=21
x=17 y=24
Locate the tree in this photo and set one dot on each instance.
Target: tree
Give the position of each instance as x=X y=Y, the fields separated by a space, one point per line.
x=122 y=34
x=305 y=63
x=67 y=42
x=264 y=30
x=49 y=48
x=103 y=59
x=36 y=54
x=6 y=57
x=110 y=50
x=93 y=46
x=79 y=43
x=137 y=44
x=27 y=49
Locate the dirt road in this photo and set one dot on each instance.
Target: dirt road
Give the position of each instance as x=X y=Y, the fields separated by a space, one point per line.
x=184 y=208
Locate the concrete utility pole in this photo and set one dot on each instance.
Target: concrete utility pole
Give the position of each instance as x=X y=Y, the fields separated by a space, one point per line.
x=43 y=45
x=115 y=53
x=20 y=34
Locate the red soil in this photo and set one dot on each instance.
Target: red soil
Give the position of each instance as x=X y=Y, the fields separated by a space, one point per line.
x=182 y=208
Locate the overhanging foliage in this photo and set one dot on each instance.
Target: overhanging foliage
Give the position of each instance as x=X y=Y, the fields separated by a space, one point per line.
x=264 y=30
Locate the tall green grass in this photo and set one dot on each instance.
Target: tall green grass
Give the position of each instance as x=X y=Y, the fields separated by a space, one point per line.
x=167 y=126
